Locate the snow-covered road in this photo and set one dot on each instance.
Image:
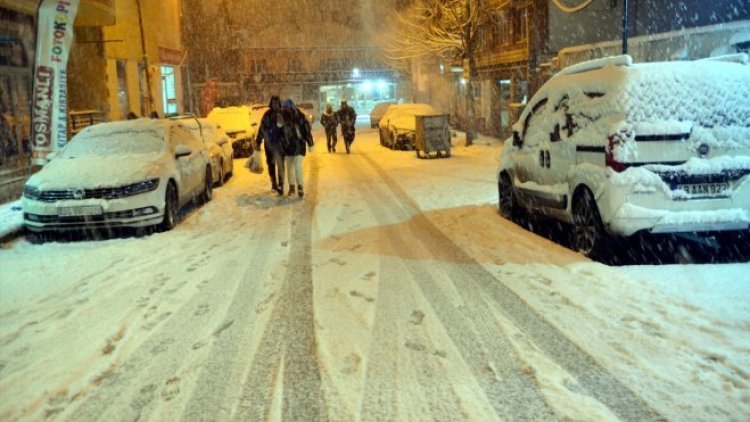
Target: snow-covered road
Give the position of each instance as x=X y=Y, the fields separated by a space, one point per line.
x=392 y=291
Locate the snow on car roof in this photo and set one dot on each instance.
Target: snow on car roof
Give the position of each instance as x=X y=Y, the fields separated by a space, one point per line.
x=414 y=107
x=232 y=119
x=706 y=93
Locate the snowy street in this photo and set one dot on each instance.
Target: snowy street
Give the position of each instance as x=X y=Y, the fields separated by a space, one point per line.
x=392 y=291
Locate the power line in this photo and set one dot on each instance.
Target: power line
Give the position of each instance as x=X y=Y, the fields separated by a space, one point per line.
x=571 y=9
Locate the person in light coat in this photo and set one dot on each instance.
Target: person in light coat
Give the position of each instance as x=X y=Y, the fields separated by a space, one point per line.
x=298 y=138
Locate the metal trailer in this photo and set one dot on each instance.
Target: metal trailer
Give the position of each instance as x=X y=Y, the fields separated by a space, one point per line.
x=432 y=138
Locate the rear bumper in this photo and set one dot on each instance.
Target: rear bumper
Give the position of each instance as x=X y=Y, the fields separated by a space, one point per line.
x=656 y=209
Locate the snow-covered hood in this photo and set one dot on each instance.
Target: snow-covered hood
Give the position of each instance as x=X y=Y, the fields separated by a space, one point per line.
x=96 y=172
x=403 y=122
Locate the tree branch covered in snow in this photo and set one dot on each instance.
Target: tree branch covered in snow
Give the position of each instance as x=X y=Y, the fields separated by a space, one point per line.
x=448 y=29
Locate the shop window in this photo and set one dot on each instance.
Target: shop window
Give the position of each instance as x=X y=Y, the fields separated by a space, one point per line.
x=169 y=93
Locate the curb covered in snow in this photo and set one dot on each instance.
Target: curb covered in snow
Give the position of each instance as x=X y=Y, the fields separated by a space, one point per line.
x=11 y=220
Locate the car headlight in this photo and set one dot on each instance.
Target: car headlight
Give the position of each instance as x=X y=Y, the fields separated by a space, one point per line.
x=31 y=192
x=140 y=187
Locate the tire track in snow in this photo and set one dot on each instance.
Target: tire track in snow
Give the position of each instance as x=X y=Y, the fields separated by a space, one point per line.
x=222 y=373
x=288 y=347
x=492 y=360
x=129 y=389
x=597 y=381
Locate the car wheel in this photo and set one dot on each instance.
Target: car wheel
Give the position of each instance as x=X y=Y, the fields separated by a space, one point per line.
x=170 y=209
x=208 y=187
x=507 y=201
x=220 y=179
x=588 y=230
x=382 y=138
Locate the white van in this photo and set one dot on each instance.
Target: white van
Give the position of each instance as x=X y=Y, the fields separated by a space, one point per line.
x=617 y=148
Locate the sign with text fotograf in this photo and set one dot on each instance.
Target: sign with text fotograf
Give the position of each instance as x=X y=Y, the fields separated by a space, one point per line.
x=50 y=91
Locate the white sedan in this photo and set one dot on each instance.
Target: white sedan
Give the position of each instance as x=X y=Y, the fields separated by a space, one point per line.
x=135 y=173
x=218 y=143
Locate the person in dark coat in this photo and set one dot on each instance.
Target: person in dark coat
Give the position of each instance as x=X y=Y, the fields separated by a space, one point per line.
x=330 y=122
x=347 y=118
x=298 y=135
x=271 y=131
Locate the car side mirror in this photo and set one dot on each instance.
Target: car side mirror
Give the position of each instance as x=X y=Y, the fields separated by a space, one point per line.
x=51 y=156
x=222 y=141
x=182 y=151
x=517 y=141
x=555 y=135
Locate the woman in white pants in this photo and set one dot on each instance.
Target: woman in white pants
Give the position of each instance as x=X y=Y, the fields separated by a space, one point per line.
x=298 y=137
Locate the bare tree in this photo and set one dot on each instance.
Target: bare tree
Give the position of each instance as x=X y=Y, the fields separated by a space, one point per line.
x=448 y=29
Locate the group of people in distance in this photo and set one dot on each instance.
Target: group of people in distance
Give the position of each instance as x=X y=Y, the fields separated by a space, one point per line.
x=346 y=117
x=286 y=135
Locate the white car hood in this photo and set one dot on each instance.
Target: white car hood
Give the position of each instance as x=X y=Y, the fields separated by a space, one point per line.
x=404 y=122
x=96 y=172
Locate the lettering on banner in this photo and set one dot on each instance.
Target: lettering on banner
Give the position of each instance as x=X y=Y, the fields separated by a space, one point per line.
x=43 y=106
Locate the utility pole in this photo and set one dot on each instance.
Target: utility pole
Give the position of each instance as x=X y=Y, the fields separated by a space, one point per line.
x=625 y=27
x=144 y=111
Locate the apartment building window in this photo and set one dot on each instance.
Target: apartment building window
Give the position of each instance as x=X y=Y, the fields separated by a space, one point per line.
x=123 y=99
x=257 y=66
x=336 y=63
x=518 y=25
x=294 y=65
x=504 y=30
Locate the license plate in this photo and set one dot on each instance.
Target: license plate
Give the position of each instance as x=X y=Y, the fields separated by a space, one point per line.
x=705 y=189
x=79 y=211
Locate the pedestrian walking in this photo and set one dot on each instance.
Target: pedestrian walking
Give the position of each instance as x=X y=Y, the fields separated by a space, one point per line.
x=271 y=131
x=298 y=137
x=330 y=122
x=347 y=118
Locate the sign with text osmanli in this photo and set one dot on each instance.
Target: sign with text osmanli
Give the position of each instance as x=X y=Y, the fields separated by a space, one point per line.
x=49 y=130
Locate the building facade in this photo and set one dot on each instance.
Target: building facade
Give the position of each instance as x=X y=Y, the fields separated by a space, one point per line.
x=531 y=39
x=322 y=54
x=145 y=59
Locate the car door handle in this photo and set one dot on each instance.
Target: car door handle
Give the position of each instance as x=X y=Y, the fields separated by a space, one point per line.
x=544 y=158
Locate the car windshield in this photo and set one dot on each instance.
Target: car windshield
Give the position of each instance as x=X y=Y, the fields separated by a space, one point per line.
x=118 y=143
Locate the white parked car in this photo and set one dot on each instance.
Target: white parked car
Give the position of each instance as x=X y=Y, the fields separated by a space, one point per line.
x=617 y=148
x=308 y=110
x=256 y=114
x=217 y=142
x=378 y=112
x=236 y=123
x=398 y=125
x=132 y=173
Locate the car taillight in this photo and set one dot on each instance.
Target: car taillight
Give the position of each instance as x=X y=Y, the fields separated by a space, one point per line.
x=610 y=160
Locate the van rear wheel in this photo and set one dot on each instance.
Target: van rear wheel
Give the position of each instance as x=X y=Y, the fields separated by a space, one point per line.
x=588 y=231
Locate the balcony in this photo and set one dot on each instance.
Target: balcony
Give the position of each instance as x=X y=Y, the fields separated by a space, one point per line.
x=96 y=13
